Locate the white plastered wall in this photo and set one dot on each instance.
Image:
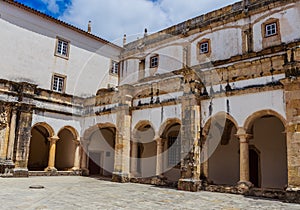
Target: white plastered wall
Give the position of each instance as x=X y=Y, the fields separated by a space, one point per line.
x=33 y=39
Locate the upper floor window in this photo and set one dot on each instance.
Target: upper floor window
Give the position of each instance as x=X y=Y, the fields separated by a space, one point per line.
x=58 y=83
x=154 y=61
x=114 y=67
x=270 y=32
x=271 y=29
x=204 y=47
x=62 y=48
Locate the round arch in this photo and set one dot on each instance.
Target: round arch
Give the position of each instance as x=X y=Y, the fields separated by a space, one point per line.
x=167 y=123
x=39 y=146
x=143 y=123
x=45 y=125
x=72 y=130
x=268 y=112
x=87 y=133
x=100 y=149
x=219 y=115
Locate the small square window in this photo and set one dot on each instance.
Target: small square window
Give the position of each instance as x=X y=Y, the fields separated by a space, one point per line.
x=114 y=67
x=204 y=47
x=62 y=48
x=58 y=83
x=154 y=61
x=271 y=29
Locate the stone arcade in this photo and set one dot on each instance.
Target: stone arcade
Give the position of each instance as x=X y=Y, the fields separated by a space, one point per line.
x=212 y=103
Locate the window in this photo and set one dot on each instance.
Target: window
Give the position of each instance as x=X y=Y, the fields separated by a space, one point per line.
x=270 y=32
x=271 y=29
x=154 y=61
x=58 y=83
x=62 y=48
x=204 y=48
x=174 y=150
x=114 y=67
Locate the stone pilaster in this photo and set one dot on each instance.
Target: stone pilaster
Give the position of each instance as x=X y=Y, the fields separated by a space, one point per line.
x=52 y=150
x=23 y=140
x=244 y=159
x=4 y=125
x=77 y=155
x=190 y=148
x=12 y=134
x=122 y=148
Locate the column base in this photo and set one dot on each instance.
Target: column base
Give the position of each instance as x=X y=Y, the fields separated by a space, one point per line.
x=244 y=186
x=7 y=168
x=120 y=177
x=20 y=172
x=76 y=170
x=85 y=172
x=190 y=185
x=51 y=169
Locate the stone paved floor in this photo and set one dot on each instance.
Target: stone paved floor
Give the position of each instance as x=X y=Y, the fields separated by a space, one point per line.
x=88 y=193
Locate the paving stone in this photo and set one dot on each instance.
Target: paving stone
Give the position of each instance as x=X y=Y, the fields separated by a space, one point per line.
x=89 y=193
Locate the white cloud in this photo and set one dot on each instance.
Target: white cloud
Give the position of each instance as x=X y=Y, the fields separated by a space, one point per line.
x=52 y=5
x=113 y=18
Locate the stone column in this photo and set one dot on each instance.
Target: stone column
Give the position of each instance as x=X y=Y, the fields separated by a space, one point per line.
x=12 y=135
x=84 y=157
x=244 y=157
x=52 y=150
x=23 y=140
x=134 y=150
x=76 y=166
x=159 y=156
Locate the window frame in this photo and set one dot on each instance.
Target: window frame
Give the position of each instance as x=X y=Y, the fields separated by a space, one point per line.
x=154 y=64
x=57 y=47
x=113 y=69
x=60 y=78
x=206 y=47
x=269 y=40
x=268 y=30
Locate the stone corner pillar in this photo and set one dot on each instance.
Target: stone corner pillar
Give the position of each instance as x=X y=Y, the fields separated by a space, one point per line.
x=190 y=148
x=23 y=136
x=292 y=127
x=52 y=150
x=244 y=183
x=122 y=147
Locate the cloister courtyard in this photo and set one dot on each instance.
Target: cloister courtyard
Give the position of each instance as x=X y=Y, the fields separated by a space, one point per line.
x=76 y=192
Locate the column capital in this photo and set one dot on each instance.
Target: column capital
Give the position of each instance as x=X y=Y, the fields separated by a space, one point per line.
x=159 y=140
x=76 y=141
x=242 y=135
x=53 y=138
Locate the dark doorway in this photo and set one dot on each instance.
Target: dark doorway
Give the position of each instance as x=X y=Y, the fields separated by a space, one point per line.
x=94 y=163
x=254 y=167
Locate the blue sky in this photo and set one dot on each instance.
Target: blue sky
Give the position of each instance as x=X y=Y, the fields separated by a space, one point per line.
x=111 y=19
x=56 y=9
